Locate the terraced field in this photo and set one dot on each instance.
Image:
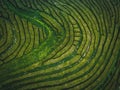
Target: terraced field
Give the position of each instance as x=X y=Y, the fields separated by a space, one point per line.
x=59 y=44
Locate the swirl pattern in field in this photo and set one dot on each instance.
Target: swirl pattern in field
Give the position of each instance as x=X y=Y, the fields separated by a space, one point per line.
x=59 y=45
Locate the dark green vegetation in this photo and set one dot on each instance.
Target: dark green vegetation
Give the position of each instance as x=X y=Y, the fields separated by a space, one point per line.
x=59 y=44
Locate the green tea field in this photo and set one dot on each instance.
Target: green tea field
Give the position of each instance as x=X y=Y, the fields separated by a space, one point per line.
x=59 y=44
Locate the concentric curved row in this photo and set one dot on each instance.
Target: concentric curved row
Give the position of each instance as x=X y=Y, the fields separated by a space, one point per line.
x=19 y=37
x=61 y=44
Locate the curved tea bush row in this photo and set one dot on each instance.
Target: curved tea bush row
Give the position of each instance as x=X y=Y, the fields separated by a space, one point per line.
x=59 y=44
